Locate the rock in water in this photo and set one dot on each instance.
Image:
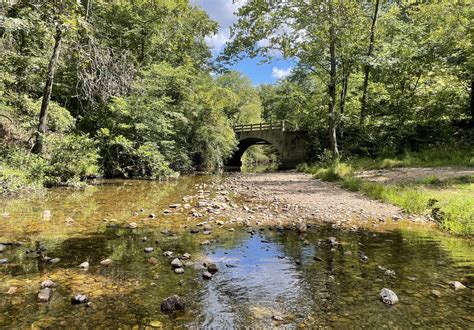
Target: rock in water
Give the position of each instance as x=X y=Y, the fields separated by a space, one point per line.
x=106 y=262
x=388 y=296
x=436 y=293
x=212 y=268
x=54 y=261
x=84 y=266
x=176 y=263
x=457 y=285
x=173 y=303
x=390 y=273
x=48 y=284
x=44 y=295
x=333 y=241
x=301 y=228
x=12 y=290
x=206 y=275
x=79 y=299
x=179 y=270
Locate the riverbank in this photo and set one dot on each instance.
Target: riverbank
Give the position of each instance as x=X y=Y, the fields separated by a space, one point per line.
x=441 y=194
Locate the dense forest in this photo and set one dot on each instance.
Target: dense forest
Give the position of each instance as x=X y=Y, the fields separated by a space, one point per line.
x=130 y=88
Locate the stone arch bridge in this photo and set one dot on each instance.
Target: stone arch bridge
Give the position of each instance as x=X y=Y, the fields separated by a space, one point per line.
x=290 y=142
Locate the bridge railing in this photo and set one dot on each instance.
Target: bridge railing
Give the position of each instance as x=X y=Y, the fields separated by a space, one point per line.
x=282 y=125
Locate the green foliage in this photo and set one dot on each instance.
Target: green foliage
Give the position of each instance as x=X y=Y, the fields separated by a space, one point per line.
x=70 y=159
x=420 y=85
x=59 y=118
x=133 y=77
x=247 y=108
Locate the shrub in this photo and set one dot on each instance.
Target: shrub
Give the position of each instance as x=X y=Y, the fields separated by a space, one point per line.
x=70 y=159
x=121 y=157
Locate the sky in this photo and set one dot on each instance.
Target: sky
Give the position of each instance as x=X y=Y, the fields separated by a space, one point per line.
x=222 y=11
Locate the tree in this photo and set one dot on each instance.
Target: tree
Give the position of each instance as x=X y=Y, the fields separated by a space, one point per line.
x=365 y=95
x=249 y=108
x=308 y=31
x=48 y=87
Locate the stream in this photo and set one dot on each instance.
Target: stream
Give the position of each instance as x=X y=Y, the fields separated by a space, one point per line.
x=268 y=276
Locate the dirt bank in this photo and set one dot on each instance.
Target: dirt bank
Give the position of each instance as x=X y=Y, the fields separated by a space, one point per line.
x=413 y=174
x=291 y=197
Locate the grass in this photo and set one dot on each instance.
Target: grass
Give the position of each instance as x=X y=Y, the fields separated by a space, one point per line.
x=450 y=202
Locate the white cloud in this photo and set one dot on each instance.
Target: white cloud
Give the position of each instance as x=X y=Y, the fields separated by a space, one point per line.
x=221 y=11
x=278 y=73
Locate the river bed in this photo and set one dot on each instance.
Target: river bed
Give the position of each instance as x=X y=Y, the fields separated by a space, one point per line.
x=267 y=276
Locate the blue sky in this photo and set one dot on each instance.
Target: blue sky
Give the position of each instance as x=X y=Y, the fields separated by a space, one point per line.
x=222 y=11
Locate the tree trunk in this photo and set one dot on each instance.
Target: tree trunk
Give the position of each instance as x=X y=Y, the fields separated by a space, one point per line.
x=472 y=102
x=365 y=87
x=343 y=96
x=332 y=85
x=48 y=87
x=345 y=82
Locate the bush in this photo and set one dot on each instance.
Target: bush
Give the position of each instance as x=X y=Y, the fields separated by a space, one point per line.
x=70 y=158
x=59 y=118
x=121 y=157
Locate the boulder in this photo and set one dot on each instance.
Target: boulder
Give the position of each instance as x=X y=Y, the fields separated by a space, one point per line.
x=2 y=248
x=148 y=249
x=206 y=275
x=173 y=303
x=388 y=296
x=3 y=261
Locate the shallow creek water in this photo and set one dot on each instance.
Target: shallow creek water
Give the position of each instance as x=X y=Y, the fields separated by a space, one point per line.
x=266 y=278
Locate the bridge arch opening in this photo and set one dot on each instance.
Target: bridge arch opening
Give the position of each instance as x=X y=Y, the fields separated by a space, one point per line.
x=244 y=146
